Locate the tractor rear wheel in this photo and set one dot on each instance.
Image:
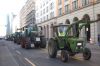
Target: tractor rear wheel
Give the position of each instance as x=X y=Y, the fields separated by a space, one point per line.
x=27 y=43
x=64 y=56
x=43 y=42
x=22 y=45
x=52 y=48
x=87 y=54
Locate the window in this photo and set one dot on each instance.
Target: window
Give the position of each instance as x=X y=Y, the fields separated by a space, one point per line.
x=43 y=11
x=44 y=18
x=41 y=19
x=47 y=2
x=66 y=0
x=52 y=14
x=59 y=2
x=43 y=4
x=60 y=11
x=47 y=17
x=75 y=4
x=85 y=2
x=47 y=9
x=51 y=6
x=37 y=15
x=67 y=8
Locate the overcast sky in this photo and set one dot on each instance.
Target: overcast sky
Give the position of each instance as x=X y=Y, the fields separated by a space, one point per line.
x=6 y=7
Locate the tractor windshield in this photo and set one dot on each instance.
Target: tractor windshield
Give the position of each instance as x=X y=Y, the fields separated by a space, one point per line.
x=62 y=30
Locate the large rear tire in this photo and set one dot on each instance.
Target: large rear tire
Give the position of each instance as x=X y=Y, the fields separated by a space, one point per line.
x=87 y=54
x=27 y=43
x=52 y=48
x=43 y=42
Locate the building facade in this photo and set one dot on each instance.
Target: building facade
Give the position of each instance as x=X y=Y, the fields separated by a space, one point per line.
x=45 y=9
x=27 y=14
x=70 y=11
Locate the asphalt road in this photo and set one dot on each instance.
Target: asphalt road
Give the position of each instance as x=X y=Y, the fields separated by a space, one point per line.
x=13 y=55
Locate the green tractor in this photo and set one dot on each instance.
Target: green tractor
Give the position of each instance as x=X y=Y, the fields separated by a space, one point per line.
x=65 y=40
x=10 y=37
x=17 y=37
x=31 y=35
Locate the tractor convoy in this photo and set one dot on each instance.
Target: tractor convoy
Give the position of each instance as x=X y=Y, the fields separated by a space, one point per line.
x=64 y=40
x=28 y=36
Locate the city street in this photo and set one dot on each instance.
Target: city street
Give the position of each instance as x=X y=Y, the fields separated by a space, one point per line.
x=13 y=55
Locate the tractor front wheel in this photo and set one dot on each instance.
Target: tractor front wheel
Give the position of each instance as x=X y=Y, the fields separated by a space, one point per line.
x=52 y=48
x=64 y=56
x=87 y=54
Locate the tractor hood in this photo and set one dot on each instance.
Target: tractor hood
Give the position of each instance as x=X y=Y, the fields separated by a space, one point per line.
x=76 y=40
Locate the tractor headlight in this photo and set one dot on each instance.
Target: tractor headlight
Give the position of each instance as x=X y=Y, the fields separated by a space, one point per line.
x=79 y=44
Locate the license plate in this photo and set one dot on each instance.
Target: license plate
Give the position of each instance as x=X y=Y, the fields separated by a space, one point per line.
x=37 y=39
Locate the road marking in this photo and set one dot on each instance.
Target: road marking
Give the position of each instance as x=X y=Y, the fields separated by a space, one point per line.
x=18 y=52
x=29 y=61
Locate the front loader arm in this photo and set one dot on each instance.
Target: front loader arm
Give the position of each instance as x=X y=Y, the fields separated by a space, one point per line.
x=81 y=24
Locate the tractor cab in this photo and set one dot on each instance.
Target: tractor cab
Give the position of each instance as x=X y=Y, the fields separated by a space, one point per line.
x=17 y=37
x=60 y=30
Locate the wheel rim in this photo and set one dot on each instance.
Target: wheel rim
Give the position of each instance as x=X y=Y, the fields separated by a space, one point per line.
x=50 y=48
x=62 y=57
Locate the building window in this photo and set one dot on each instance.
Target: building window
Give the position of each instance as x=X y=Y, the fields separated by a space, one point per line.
x=66 y=0
x=43 y=4
x=37 y=15
x=67 y=8
x=41 y=19
x=47 y=2
x=60 y=11
x=52 y=14
x=43 y=11
x=47 y=9
x=51 y=6
x=75 y=4
x=59 y=2
x=85 y=2
x=44 y=18
x=47 y=17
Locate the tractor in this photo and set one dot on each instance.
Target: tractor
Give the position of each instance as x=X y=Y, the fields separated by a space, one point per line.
x=31 y=35
x=17 y=37
x=10 y=37
x=70 y=44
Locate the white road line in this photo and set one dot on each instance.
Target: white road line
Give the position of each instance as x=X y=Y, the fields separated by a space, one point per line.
x=29 y=61
x=18 y=52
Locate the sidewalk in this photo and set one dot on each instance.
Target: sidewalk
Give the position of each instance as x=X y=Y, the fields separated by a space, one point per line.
x=6 y=58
